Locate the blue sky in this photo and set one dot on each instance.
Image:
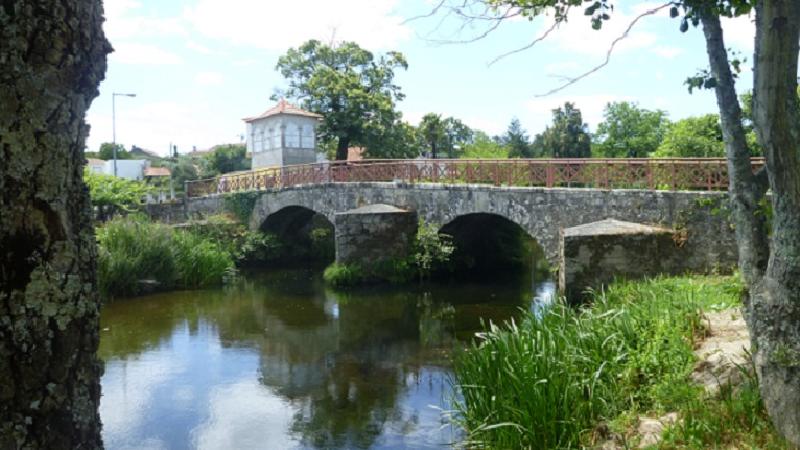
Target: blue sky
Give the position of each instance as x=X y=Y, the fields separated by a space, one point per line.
x=199 y=66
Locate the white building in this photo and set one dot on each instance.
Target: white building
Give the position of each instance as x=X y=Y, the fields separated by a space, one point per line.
x=282 y=135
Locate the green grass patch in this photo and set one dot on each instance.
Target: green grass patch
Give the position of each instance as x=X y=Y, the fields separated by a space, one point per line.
x=549 y=381
x=133 y=249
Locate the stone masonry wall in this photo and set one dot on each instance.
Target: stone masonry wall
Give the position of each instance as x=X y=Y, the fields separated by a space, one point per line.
x=374 y=233
x=593 y=255
x=701 y=218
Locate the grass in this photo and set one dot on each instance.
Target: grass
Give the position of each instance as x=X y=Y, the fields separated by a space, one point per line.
x=549 y=382
x=132 y=249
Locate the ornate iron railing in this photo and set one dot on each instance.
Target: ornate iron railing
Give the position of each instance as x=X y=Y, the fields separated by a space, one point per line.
x=642 y=173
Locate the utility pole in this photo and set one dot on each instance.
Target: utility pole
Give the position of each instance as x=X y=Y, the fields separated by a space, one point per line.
x=114 y=125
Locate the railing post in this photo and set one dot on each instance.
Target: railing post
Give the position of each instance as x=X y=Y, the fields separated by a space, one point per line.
x=549 y=174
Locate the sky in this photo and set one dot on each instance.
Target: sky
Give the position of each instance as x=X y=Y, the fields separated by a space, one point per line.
x=198 y=67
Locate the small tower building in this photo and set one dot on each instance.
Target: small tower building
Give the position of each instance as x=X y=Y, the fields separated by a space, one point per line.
x=283 y=135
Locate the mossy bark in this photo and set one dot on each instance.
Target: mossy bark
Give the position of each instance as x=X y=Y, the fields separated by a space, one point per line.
x=52 y=59
x=774 y=306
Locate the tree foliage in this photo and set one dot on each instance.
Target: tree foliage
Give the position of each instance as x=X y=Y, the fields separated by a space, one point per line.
x=227 y=158
x=106 y=151
x=116 y=192
x=484 y=147
x=628 y=131
x=350 y=87
x=567 y=137
x=516 y=141
x=693 y=137
x=443 y=135
x=183 y=169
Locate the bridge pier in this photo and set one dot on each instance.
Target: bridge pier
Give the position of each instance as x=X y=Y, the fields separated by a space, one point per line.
x=371 y=234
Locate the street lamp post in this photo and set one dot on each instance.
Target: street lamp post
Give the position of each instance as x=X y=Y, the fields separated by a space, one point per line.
x=114 y=125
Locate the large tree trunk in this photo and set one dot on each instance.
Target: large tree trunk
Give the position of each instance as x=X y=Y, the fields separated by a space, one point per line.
x=745 y=189
x=775 y=300
x=52 y=58
x=342 y=148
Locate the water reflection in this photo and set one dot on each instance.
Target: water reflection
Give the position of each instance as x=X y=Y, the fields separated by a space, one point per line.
x=278 y=361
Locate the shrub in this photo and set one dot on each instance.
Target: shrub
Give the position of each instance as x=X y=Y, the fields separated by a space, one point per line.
x=200 y=262
x=133 y=249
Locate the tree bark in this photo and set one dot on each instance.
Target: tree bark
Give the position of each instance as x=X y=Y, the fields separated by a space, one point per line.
x=52 y=59
x=342 y=146
x=745 y=189
x=774 y=308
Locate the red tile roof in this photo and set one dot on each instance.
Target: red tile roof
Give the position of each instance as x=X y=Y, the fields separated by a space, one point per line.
x=284 y=107
x=157 y=172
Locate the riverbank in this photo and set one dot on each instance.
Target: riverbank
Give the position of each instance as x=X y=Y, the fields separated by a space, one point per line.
x=138 y=256
x=587 y=378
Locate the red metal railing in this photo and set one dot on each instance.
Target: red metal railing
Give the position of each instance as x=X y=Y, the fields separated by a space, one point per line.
x=642 y=173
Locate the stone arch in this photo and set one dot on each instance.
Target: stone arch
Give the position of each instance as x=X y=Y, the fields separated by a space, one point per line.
x=539 y=221
x=271 y=203
x=488 y=244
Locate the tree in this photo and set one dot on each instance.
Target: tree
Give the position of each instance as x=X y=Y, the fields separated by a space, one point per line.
x=516 y=139
x=106 y=151
x=110 y=194
x=398 y=141
x=770 y=265
x=484 y=147
x=348 y=86
x=567 y=137
x=52 y=58
x=431 y=130
x=443 y=135
x=693 y=137
x=183 y=170
x=628 y=131
x=227 y=158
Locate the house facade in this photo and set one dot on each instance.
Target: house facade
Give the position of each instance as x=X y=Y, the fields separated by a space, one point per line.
x=282 y=135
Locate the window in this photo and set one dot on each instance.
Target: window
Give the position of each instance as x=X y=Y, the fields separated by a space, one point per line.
x=292 y=136
x=308 y=136
x=270 y=144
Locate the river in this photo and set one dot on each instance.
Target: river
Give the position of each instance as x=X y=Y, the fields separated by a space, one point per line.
x=279 y=361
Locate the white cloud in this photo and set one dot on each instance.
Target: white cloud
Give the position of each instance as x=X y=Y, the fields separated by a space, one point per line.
x=155 y=125
x=245 y=415
x=142 y=54
x=279 y=25
x=577 y=36
x=122 y=22
x=192 y=45
x=208 y=79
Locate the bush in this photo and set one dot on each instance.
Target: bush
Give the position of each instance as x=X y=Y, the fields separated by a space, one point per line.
x=248 y=248
x=200 y=262
x=133 y=249
x=547 y=382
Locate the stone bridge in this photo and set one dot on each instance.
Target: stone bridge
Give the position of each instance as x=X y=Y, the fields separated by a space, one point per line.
x=699 y=219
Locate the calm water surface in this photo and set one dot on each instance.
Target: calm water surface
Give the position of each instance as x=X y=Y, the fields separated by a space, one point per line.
x=278 y=361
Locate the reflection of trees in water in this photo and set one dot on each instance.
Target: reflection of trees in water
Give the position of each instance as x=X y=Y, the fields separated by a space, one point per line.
x=344 y=360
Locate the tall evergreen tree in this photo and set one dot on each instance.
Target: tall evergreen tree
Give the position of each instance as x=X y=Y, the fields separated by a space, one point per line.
x=567 y=137
x=516 y=139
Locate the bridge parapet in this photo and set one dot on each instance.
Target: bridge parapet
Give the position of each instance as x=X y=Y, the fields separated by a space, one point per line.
x=634 y=173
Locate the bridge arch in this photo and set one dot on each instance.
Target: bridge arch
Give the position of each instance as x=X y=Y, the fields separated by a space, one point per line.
x=304 y=234
x=490 y=245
